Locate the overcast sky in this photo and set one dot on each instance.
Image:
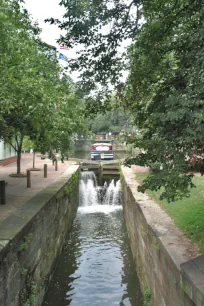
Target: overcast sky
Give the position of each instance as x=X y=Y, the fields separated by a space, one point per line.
x=43 y=9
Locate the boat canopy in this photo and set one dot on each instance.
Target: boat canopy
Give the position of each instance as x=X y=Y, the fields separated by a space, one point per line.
x=102 y=146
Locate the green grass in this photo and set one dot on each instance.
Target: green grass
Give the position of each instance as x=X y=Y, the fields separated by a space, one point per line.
x=188 y=213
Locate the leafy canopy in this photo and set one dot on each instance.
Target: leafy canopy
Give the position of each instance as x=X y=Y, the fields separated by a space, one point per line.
x=35 y=100
x=164 y=90
x=98 y=27
x=165 y=93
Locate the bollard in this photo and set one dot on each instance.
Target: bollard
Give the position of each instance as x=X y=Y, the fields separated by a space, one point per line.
x=2 y=192
x=45 y=170
x=28 y=179
x=56 y=165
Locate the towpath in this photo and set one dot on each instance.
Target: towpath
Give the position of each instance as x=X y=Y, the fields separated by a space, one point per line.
x=17 y=192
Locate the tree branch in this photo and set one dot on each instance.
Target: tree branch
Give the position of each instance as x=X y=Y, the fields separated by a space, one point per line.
x=16 y=139
x=177 y=14
x=128 y=12
x=10 y=143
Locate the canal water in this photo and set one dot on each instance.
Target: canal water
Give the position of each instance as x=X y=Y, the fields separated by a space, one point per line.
x=96 y=267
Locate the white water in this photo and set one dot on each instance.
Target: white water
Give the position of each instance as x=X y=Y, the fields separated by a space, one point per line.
x=112 y=195
x=97 y=198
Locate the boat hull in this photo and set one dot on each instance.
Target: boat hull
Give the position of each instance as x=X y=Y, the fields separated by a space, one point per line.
x=101 y=155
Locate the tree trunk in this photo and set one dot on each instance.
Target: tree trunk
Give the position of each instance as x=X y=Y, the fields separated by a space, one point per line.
x=19 y=161
x=19 y=148
x=33 y=159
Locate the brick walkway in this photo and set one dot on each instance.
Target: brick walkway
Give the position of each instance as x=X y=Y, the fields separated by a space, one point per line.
x=17 y=192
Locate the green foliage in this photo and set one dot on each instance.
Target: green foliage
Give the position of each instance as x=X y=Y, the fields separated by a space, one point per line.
x=72 y=183
x=67 y=190
x=147 y=297
x=33 y=297
x=25 y=244
x=27 y=144
x=187 y=212
x=36 y=99
x=112 y=121
x=165 y=93
x=164 y=90
x=98 y=26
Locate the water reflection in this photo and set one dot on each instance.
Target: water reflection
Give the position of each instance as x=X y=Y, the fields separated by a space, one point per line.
x=96 y=267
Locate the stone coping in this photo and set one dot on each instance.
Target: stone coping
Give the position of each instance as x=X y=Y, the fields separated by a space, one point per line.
x=14 y=224
x=193 y=272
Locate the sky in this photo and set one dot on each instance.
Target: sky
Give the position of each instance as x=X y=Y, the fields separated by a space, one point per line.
x=43 y=9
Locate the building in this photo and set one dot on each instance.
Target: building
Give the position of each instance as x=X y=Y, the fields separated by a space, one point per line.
x=7 y=154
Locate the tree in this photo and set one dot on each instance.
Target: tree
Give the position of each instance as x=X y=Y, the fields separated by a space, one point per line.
x=164 y=90
x=35 y=100
x=112 y=121
x=99 y=27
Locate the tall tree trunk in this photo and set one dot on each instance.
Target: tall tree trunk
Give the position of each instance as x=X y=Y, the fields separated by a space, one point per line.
x=33 y=159
x=19 y=161
x=19 y=143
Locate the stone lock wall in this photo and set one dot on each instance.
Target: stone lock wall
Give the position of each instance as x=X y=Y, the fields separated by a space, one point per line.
x=31 y=239
x=167 y=263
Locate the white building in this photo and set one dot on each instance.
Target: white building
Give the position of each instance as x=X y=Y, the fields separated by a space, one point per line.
x=6 y=151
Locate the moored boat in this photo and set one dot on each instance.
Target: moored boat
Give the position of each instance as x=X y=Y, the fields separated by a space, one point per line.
x=102 y=151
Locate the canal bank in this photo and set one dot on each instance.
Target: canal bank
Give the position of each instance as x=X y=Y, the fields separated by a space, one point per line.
x=31 y=239
x=168 y=264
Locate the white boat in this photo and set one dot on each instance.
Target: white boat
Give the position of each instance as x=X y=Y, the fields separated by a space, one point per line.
x=102 y=151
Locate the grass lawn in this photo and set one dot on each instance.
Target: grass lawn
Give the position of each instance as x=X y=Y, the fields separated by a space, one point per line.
x=188 y=213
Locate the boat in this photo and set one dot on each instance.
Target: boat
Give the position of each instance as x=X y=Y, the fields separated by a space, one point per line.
x=102 y=151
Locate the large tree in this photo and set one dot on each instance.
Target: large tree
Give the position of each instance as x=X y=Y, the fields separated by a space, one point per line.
x=35 y=100
x=164 y=90
x=99 y=27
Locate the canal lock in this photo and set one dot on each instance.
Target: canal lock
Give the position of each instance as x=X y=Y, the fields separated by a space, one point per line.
x=96 y=267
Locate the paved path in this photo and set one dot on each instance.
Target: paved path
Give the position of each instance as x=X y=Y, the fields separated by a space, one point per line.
x=137 y=169
x=17 y=192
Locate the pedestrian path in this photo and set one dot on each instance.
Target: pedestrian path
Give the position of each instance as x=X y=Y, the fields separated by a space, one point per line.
x=17 y=192
x=137 y=169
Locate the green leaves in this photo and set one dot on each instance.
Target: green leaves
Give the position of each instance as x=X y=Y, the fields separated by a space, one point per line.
x=167 y=94
x=35 y=101
x=99 y=27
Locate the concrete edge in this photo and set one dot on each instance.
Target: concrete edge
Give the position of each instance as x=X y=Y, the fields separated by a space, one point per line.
x=15 y=223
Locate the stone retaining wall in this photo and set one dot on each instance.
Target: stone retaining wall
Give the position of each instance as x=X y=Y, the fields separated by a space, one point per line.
x=167 y=262
x=32 y=238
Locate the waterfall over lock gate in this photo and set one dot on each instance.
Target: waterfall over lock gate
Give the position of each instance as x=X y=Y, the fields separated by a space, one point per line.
x=90 y=194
